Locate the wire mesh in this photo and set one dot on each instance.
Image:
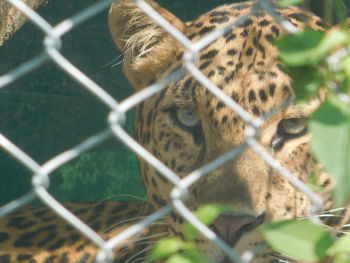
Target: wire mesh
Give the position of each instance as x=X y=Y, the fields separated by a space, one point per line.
x=41 y=173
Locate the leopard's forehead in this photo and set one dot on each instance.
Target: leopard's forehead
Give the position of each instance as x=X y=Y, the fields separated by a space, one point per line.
x=243 y=62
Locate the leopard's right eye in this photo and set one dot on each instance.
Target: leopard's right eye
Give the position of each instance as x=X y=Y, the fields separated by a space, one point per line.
x=187 y=117
x=292 y=127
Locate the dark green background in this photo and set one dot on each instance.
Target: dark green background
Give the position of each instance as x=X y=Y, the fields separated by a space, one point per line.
x=46 y=112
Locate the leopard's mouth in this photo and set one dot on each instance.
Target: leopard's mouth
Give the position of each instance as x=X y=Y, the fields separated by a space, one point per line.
x=231 y=228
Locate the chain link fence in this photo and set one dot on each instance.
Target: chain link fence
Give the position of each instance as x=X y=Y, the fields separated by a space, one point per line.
x=52 y=44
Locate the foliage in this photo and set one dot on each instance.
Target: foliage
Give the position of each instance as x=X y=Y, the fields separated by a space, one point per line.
x=306 y=241
x=311 y=59
x=99 y=174
x=176 y=250
x=306 y=56
x=298 y=239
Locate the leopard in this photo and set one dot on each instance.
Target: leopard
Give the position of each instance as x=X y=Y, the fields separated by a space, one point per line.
x=186 y=126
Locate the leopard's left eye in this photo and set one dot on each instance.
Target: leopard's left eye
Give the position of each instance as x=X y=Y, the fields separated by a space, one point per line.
x=187 y=117
x=292 y=127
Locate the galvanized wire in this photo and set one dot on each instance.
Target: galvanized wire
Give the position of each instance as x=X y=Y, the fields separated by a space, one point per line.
x=116 y=119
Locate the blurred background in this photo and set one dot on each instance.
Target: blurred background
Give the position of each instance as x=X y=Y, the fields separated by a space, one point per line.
x=46 y=112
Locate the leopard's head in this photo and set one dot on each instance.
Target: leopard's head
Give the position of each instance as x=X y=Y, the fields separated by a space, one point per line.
x=186 y=126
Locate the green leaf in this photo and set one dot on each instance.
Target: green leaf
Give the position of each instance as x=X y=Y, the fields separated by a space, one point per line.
x=206 y=214
x=313 y=183
x=299 y=239
x=286 y=3
x=330 y=142
x=332 y=39
x=167 y=247
x=192 y=255
x=341 y=258
x=179 y=258
x=300 y=49
x=306 y=81
x=342 y=245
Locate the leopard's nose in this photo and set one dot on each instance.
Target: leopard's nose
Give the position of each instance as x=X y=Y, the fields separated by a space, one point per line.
x=230 y=228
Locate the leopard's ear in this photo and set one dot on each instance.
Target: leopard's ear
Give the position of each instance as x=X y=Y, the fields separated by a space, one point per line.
x=147 y=48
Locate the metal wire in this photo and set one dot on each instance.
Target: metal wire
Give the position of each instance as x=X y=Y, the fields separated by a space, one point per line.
x=116 y=119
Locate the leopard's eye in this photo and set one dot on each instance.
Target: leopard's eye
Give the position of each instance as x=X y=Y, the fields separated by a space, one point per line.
x=187 y=117
x=292 y=127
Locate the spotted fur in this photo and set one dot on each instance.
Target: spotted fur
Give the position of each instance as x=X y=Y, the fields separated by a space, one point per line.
x=244 y=64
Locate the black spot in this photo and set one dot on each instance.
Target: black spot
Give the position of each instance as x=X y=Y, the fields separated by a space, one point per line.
x=73 y=238
x=220 y=105
x=206 y=29
x=245 y=23
x=204 y=65
x=149 y=117
x=230 y=63
x=261 y=49
x=231 y=52
x=192 y=36
x=49 y=237
x=48 y=219
x=4 y=236
x=255 y=110
x=219 y=13
x=249 y=51
x=245 y=33
x=209 y=55
x=261 y=63
x=230 y=37
x=301 y=17
x=159 y=200
x=219 y=20
x=260 y=14
x=211 y=73
x=64 y=258
x=272 y=88
x=230 y=77
x=96 y=225
x=224 y=119
x=25 y=240
x=272 y=74
x=251 y=96
x=211 y=113
x=286 y=91
x=234 y=96
x=23 y=257
x=98 y=208
x=5 y=258
x=198 y=24
x=281 y=68
x=240 y=6
x=58 y=244
x=221 y=70
x=320 y=23
x=264 y=22
x=275 y=30
x=255 y=41
x=187 y=83
x=239 y=66
x=84 y=258
x=269 y=37
x=50 y=259
x=234 y=120
x=262 y=95
x=40 y=213
x=154 y=183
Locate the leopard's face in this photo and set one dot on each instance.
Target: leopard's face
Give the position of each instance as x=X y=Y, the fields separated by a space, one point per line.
x=186 y=126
